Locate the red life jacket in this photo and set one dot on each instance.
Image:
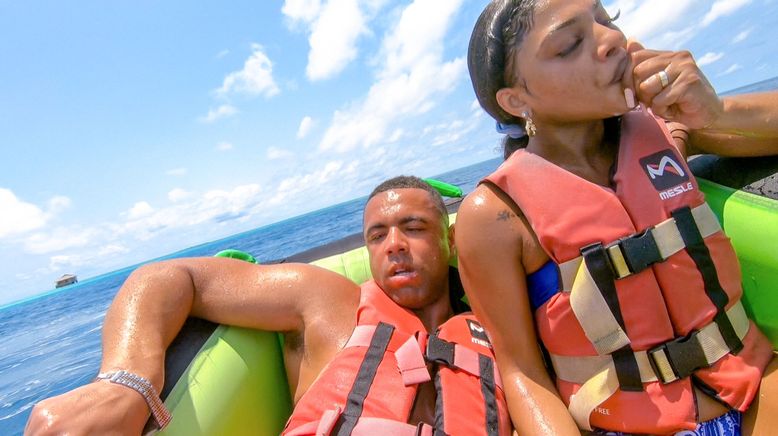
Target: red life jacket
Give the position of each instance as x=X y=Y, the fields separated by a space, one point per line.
x=650 y=298
x=370 y=387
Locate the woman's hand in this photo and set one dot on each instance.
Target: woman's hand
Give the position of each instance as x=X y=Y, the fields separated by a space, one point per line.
x=96 y=408
x=686 y=96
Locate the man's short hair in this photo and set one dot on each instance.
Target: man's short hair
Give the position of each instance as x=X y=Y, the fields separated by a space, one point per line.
x=412 y=182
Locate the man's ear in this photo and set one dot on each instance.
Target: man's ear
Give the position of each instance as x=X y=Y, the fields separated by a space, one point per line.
x=511 y=101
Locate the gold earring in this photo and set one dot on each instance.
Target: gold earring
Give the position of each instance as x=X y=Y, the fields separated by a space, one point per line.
x=529 y=125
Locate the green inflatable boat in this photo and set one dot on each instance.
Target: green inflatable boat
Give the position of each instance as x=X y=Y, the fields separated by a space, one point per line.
x=224 y=380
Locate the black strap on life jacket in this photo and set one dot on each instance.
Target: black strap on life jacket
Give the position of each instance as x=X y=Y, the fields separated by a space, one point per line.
x=365 y=376
x=439 y=428
x=698 y=251
x=598 y=264
x=486 y=369
x=442 y=352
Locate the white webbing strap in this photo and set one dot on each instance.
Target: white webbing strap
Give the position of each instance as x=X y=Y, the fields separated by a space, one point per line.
x=591 y=394
x=587 y=302
x=668 y=238
x=666 y=235
x=594 y=315
x=579 y=369
x=597 y=374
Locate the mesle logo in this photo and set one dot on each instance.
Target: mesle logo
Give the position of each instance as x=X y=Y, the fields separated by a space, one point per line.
x=666 y=174
x=478 y=334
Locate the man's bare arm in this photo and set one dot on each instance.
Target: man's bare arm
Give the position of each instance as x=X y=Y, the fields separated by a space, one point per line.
x=748 y=126
x=153 y=304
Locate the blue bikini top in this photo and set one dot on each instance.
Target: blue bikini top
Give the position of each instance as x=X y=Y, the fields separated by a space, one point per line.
x=543 y=284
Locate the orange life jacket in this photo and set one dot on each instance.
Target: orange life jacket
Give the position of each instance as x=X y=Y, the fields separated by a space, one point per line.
x=369 y=388
x=650 y=299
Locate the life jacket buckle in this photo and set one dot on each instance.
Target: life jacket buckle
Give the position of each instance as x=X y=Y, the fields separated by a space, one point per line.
x=632 y=254
x=440 y=351
x=678 y=358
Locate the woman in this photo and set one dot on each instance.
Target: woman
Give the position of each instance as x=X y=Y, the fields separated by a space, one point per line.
x=595 y=226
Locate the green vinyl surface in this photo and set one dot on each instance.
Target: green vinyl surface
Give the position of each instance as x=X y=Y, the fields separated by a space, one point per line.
x=236 y=385
x=751 y=222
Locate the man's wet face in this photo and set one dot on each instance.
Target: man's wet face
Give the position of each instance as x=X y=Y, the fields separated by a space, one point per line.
x=408 y=244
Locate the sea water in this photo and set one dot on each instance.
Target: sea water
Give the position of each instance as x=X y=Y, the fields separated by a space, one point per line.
x=51 y=344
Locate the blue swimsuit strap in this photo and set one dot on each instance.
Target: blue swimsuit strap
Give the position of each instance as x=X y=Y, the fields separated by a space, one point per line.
x=543 y=284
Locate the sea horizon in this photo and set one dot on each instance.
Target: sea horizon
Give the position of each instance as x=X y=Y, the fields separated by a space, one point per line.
x=178 y=253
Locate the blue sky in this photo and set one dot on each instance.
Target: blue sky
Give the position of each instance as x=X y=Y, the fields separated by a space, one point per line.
x=132 y=129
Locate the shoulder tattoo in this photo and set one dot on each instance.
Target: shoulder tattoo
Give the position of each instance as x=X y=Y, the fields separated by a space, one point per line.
x=505 y=215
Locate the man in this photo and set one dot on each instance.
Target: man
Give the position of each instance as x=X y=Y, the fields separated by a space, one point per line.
x=406 y=233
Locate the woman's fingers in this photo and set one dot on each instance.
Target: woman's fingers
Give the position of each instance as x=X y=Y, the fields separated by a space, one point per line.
x=664 y=103
x=655 y=84
x=674 y=87
x=647 y=66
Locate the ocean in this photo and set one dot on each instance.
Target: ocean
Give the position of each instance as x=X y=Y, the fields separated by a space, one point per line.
x=51 y=344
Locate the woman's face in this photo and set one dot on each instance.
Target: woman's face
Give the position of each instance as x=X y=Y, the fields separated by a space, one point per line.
x=573 y=64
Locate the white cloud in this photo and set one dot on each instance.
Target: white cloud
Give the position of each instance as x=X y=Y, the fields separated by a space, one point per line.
x=112 y=249
x=139 y=210
x=18 y=216
x=731 y=69
x=452 y=131
x=224 y=146
x=305 y=127
x=144 y=223
x=59 y=262
x=58 y=204
x=723 y=8
x=292 y=187
x=335 y=28
x=176 y=172
x=740 y=37
x=669 y=24
x=223 y=111
x=256 y=77
x=275 y=153
x=645 y=20
x=709 y=58
x=222 y=54
x=333 y=38
x=301 y=10
x=178 y=194
x=58 y=239
x=411 y=79
x=396 y=135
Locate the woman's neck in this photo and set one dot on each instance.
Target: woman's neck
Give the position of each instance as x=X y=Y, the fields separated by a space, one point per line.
x=577 y=147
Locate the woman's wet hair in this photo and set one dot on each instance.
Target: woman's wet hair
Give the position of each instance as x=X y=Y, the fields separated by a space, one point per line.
x=497 y=35
x=491 y=58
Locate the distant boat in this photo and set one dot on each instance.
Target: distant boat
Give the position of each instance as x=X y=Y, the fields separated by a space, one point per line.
x=66 y=279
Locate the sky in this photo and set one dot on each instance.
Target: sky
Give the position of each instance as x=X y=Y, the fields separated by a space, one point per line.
x=133 y=129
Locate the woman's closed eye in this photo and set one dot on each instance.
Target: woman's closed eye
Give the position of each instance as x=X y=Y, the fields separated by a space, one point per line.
x=570 y=48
